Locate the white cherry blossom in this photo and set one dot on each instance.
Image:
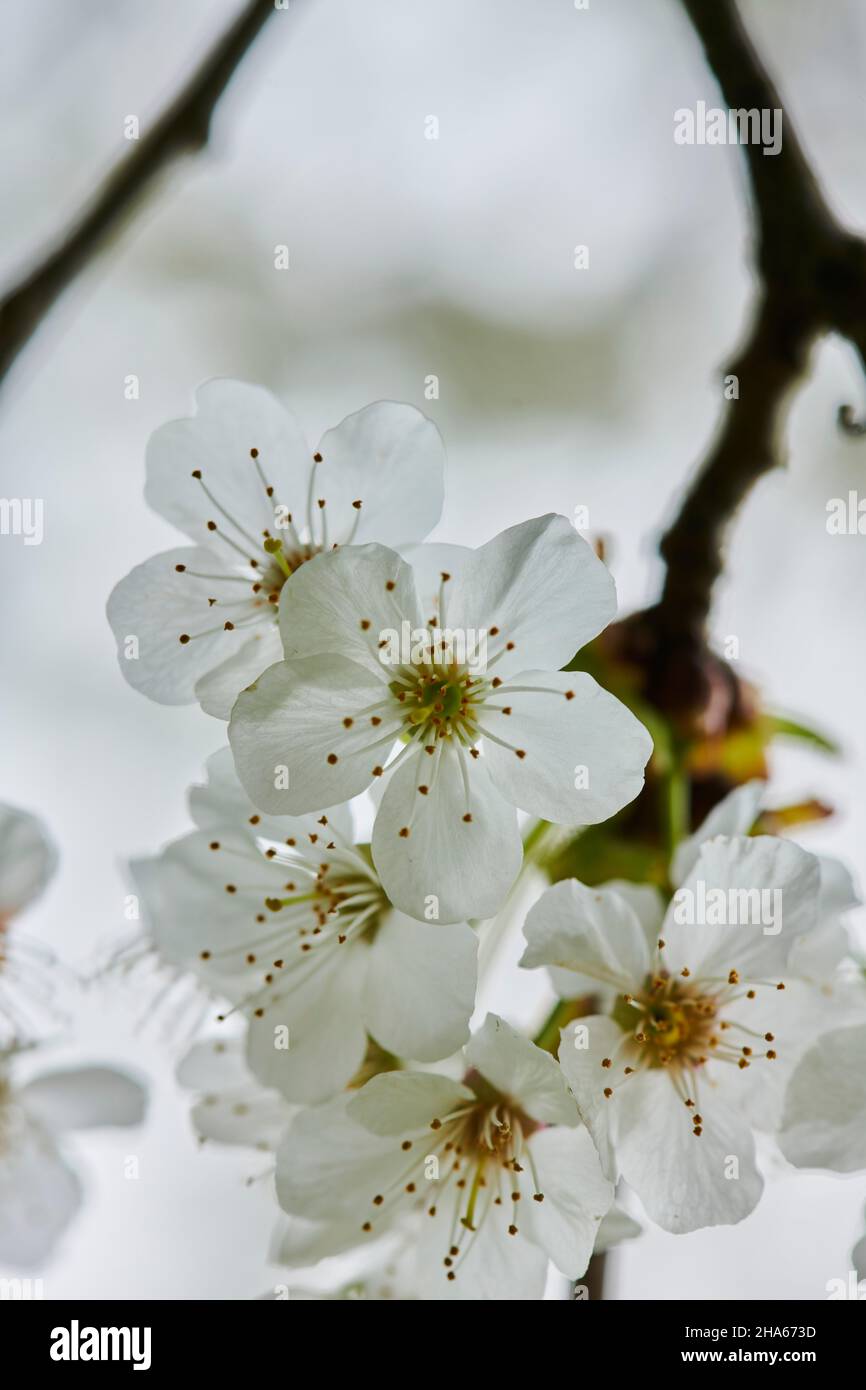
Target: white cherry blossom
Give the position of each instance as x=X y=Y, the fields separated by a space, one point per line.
x=706 y=1018
x=286 y=918
x=498 y=1164
x=39 y=1191
x=239 y=479
x=461 y=743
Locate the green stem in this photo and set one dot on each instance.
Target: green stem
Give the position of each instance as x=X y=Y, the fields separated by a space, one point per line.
x=675 y=805
x=534 y=838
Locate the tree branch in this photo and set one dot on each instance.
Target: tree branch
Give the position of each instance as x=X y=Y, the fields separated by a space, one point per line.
x=813 y=275
x=183 y=128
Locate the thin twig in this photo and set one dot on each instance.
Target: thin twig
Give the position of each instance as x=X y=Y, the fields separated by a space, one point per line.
x=182 y=129
x=813 y=280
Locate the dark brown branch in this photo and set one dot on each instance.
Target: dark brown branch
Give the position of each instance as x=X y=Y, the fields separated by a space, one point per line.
x=182 y=129
x=813 y=275
x=594 y=1278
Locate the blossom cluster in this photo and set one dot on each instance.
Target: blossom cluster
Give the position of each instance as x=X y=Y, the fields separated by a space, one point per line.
x=371 y=678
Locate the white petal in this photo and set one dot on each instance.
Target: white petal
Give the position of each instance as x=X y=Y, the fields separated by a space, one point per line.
x=616 y=1227
x=288 y=724
x=858 y=1258
x=330 y=1168
x=759 y=940
x=816 y=955
x=217 y=691
x=684 y=1181
x=400 y=1102
x=391 y=458
x=299 y=1243
x=197 y=922
x=429 y=562
x=576 y=1197
x=420 y=987
x=593 y=931
x=222 y=801
x=794 y=1016
x=252 y=1118
x=39 y=1195
x=522 y=1071
x=496 y=1268
x=341 y=602
x=28 y=859
x=542 y=586
x=838 y=893
x=85 y=1098
x=323 y=1022
x=231 y=418
x=824 y=1121
x=157 y=605
x=583 y=1046
x=447 y=869
x=734 y=815
x=583 y=758
x=647 y=904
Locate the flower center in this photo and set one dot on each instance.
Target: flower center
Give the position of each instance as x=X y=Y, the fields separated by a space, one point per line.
x=673 y=1022
x=678 y=1024
x=331 y=896
x=480 y=1159
x=260 y=560
x=439 y=702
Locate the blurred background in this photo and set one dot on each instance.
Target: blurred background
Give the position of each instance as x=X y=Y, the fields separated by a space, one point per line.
x=559 y=388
